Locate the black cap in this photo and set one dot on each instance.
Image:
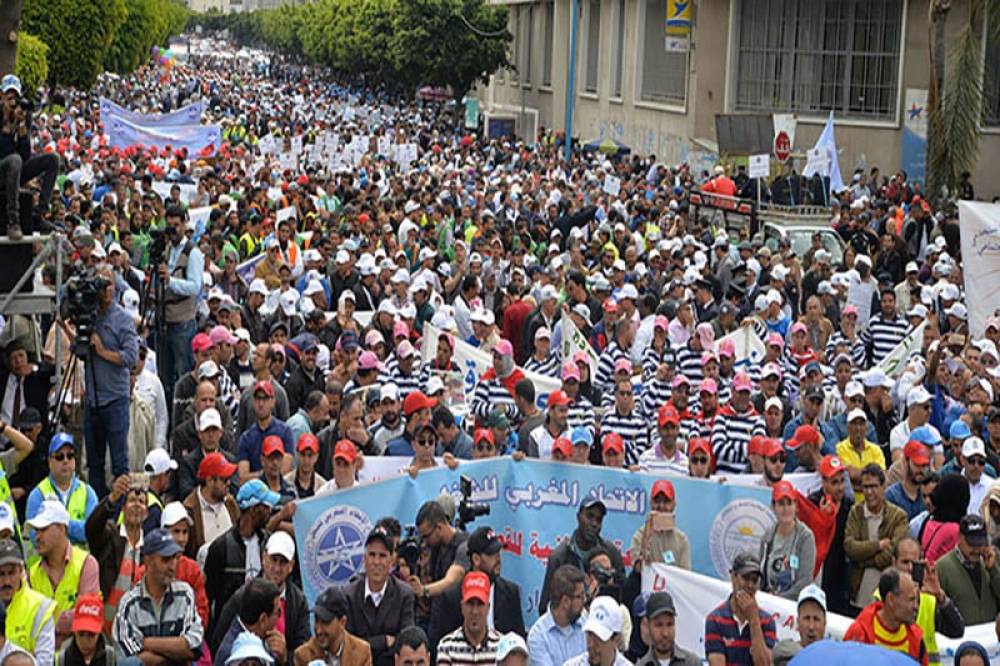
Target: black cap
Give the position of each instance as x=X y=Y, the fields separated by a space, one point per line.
x=380 y=534
x=276 y=325
x=29 y=418
x=745 y=563
x=727 y=309
x=814 y=391
x=993 y=414
x=659 y=603
x=10 y=553
x=332 y=603
x=591 y=501
x=973 y=528
x=484 y=541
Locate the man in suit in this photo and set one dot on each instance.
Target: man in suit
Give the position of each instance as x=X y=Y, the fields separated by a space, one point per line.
x=332 y=643
x=22 y=385
x=380 y=605
x=505 y=604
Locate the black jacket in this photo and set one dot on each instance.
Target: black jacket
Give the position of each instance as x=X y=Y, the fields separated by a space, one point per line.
x=225 y=571
x=507 y=614
x=300 y=385
x=565 y=554
x=394 y=613
x=296 y=618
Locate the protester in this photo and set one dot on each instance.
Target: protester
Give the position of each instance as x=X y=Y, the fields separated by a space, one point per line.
x=810 y=622
x=603 y=630
x=660 y=621
x=558 y=634
x=891 y=623
x=738 y=631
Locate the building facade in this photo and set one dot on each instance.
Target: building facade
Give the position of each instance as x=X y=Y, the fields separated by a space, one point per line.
x=866 y=60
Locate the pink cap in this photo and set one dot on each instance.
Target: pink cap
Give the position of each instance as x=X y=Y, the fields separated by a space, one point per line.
x=200 y=343
x=726 y=348
x=570 y=371
x=798 y=327
x=708 y=357
x=741 y=382
x=367 y=361
x=775 y=339
x=400 y=329
x=581 y=357
x=623 y=365
x=849 y=310
x=278 y=349
x=661 y=322
x=504 y=348
x=707 y=335
x=373 y=338
x=993 y=322
x=221 y=335
x=679 y=380
x=404 y=349
x=708 y=385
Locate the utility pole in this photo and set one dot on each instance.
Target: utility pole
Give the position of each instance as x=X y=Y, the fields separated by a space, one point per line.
x=571 y=78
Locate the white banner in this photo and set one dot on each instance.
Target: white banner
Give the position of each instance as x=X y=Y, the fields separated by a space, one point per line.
x=895 y=362
x=574 y=341
x=749 y=348
x=474 y=362
x=695 y=596
x=980 y=261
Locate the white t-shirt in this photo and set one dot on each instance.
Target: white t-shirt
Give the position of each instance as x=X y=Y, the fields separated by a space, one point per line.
x=900 y=435
x=253 y=564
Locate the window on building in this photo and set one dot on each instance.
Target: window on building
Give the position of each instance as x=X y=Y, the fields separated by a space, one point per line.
x=991 y=91
x=549 y=28
x=662 y=74
x=814 y=56
x=515 y=47
x=527 y=31
x=618 y=62
x=593 y=45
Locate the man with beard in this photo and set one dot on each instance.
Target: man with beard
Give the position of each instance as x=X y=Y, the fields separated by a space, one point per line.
x=586 y=537
x=306 y=377
x=558 y=634
x=390 y=426
x=891 y=623
x=30 y=620
x=660 y=624
x=380 y=606
x=906 y=494
x=603 y=629
x=505 y=610
x=554 y=427
x=332 y=643
x=774 y=462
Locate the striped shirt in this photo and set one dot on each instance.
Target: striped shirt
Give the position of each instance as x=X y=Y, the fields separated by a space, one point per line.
x=651 y=360
x=655 y=394
x=581 y=415
x=407 y=384
x=857 y=348
x=653 y=461
x=606 y=365
x=139 y=618
x=689 y=364
x=549 y=366
x=882 y=335
x=723 y=635
x=731 y=435
x=633 y=430
x=492 y=395
x=455 y=650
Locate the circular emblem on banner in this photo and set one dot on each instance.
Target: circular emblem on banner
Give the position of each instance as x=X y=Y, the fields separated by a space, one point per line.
x=736 y=529
x=335 y=546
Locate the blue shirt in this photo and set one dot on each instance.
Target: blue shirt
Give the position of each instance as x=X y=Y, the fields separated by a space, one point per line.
x=194 y=274
x=252 y=442
x=77 y=531
x=109 y=382
x=897 y=496
x=552 y=645
x=723 y=635
x=401 y=446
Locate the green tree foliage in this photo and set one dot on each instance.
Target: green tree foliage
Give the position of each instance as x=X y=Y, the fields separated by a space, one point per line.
x=32 y=63
x=398 y=44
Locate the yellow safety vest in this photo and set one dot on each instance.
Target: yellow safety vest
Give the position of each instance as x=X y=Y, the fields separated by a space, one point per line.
x=76 y=506
x=925 y=620
x=65 y=593
x=26 y=615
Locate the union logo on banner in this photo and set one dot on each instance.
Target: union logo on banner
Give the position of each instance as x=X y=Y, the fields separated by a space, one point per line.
x=335 y=546
x=737 y=528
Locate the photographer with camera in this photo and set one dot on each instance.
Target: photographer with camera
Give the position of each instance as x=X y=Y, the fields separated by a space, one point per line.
x=181 y=267
x=17 y=164
x=114 y=349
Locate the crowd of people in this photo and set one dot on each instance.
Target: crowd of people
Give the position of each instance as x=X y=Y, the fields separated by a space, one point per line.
x=259 y=355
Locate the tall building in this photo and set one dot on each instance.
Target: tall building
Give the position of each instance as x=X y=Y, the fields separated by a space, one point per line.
x=866 y=60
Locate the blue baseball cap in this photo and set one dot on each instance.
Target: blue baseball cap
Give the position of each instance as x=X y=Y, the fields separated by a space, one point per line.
x=581 y=435
x=249 y=646
x=925 y=436
x=159 y=542
x=59 y=440
x=254 y=492
x=958 y=430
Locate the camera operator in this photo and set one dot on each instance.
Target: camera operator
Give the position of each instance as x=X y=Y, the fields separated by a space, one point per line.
x=17 y=164
x=114 y=350
x=181 y=271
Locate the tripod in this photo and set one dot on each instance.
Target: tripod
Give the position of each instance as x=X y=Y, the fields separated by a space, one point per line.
x=154 y=311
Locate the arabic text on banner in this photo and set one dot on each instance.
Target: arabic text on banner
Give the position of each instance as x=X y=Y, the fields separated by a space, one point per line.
x=980 y=261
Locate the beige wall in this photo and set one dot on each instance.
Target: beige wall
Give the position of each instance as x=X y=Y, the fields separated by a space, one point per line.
x=688 y=134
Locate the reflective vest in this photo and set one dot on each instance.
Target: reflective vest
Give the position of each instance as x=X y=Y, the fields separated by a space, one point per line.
x=129 y=573
x=76 y=505
x=151 y=500
x=65 y=593
x=26 y=615
x=925 y=620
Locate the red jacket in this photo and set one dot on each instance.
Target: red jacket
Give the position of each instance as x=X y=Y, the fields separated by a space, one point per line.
x=862 y=630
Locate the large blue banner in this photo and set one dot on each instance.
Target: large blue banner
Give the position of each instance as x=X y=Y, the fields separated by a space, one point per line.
x=178 y=129
x=533 y=507
x=186 y=115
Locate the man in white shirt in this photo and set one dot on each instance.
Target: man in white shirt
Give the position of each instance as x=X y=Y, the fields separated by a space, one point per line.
x=918 y=405
x=973 y=462
x=149 y=386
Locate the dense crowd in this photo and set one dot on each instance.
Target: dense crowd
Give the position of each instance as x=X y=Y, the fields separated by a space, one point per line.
x=260 y=354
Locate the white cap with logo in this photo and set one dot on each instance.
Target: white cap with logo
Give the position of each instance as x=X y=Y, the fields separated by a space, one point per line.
x=605 y=618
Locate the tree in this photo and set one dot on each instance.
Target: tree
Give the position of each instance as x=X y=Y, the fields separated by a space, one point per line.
x=10 y=25
x=955 y=94
x=32 y=63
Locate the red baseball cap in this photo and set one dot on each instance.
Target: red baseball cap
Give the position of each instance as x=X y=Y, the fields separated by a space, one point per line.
x=756 y=445
x=215 y=464
x=610 y=305
x=307 y=440
x=345 y=449
x=613 y=441
x=668 y=414
x=917 y=452
x=699 y=444
x=562 y=446
x=557 y=398
x=416 y=401
x=829 y=466
x=663 y=487
x=484 y=433
x=782 y=490
x=200 y=343
x=804 y=434
x=88 y=614
x=771 y=447
x=272 y=444
x=264 y=386
x=476 y=586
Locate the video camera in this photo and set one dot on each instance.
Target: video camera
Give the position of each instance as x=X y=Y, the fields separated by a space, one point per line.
x=468 y=510
x=81 y=304
x=158 y=239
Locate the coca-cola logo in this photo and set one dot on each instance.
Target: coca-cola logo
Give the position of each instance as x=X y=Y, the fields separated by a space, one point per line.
x=89 y=609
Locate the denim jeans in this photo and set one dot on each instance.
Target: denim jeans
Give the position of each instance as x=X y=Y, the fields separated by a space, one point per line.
x=179 y=360
x=15 y=172
x=106 y=428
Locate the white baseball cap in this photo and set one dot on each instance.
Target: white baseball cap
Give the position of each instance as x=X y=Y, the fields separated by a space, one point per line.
x=605 y=618
x=813 y=592
x=973 y=446
x=53 y=512
x=258 y=287
x=282 y=544
x=6 y=518
x=856 y=414
x=629 y=291
x=209 y=418
x=918 y=395
x=854 y=389
x=158 y=461
x=543 y=332
x=287 y=300
x=174 y=513
x=509 y=643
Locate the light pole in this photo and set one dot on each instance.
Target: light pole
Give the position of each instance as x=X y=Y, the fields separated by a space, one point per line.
x=571 y=78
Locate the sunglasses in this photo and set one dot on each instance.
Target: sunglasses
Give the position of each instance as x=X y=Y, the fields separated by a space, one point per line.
x=976 y=460
x=60 y=457
x=777 y=459
x=483 y=448
x=699 y=461
x=426 y=441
